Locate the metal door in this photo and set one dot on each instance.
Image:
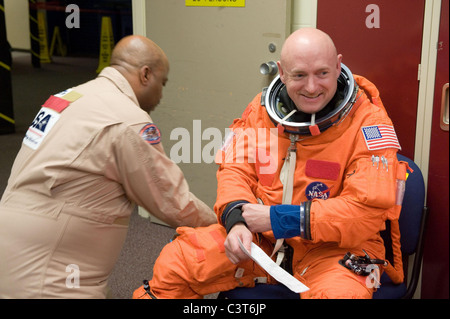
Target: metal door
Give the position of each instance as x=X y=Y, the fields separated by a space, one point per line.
x=215 y=55
x=435 y=275
x=382 y=40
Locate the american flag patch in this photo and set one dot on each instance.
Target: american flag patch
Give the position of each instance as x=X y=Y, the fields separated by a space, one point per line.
x=378 y=137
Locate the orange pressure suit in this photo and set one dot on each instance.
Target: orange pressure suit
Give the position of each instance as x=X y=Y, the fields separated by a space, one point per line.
x=351 y=191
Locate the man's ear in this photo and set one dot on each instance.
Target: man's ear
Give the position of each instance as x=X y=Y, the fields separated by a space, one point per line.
x=339 y=61
x=144 y=74
x=280 y=70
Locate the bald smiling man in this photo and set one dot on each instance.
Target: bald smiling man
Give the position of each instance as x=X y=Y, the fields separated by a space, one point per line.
x=90 y=156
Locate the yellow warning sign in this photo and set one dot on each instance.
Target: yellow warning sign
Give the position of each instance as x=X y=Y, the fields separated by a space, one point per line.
x=61 y=49
x=106 y=44
x=215 y=3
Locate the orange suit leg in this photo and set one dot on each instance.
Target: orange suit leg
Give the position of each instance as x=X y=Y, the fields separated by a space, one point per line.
x=195 y=264
x=327 y=279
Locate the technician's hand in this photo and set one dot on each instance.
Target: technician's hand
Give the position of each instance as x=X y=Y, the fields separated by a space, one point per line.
x=232 y=248
x=257 y=217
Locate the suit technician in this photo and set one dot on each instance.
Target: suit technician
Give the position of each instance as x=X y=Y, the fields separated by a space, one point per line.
x=90 y=156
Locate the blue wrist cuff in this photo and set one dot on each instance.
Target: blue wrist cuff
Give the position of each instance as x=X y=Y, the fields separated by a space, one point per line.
x=286 y=220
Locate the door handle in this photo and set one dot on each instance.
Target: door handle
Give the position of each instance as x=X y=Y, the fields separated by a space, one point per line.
x=268 y=68
x=444 y=108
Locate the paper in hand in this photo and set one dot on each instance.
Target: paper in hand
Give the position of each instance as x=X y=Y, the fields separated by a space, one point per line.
x=281 y=275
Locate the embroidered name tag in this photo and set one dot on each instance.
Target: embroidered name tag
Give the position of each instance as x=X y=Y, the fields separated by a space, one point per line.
x=323 y=169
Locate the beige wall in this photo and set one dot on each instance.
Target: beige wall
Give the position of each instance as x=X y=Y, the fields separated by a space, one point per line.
x=17 y=23
x=304 y=14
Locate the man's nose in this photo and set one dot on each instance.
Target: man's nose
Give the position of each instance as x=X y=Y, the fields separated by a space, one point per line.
x=311 y=85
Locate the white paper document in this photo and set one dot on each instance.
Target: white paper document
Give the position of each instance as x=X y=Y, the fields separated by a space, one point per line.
x=281 y=275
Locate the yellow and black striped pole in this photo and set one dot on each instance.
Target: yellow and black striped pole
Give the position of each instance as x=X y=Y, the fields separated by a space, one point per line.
x=7 y=124
x=34 y=34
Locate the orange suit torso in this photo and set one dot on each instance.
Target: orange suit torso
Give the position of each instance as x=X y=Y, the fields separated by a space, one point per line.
x=351 y=193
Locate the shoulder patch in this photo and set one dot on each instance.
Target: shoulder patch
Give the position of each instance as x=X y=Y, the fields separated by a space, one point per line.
x=56 y=103
x=59 y=102
x=48 y=116
x=42 y=124
x=151 y=134
x=379 y=137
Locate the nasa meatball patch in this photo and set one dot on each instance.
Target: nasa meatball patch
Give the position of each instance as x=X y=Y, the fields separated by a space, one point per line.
x=317 y=190
x=151 y=134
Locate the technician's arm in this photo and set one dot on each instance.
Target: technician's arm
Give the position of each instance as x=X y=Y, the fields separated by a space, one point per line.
x=156 y=183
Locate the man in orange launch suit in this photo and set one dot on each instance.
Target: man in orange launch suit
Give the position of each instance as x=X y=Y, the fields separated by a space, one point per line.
x=321 y=174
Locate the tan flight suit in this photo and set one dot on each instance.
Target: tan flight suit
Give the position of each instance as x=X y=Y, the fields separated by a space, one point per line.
x=77 y=178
